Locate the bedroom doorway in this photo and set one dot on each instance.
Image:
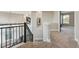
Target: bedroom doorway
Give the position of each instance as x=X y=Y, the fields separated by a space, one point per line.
x=67 y=24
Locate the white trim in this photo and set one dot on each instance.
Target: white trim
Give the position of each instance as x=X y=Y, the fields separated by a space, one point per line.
x=75 y=27
x=48 y=40
x=76 y=39
x=38 y=39
x=59 y=21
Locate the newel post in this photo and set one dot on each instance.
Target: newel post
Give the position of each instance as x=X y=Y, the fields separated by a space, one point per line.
x=24 y=32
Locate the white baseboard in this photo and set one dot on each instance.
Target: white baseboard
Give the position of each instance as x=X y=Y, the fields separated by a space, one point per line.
x=38 y=39
x=48 y=40
x=77 y=40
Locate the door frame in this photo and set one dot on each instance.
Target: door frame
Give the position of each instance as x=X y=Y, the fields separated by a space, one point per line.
x=62 y=20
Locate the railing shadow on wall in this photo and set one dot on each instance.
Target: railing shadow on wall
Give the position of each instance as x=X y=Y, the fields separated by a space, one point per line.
x=13 y=34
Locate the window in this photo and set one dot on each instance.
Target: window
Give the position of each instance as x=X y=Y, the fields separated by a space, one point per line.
x=66 y=19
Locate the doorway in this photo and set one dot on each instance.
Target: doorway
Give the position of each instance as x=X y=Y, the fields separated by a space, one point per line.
x=67 y=23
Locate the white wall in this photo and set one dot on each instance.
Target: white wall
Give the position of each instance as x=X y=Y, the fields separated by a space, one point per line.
x=28 y=14
x=50 y=17
x=11 y=18
x=55 y=25
x=72 y=19
x=53 y=18
x=37 y=30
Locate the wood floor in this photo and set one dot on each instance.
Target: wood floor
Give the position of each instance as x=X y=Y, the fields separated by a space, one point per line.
x=63 y=40
x=58 y=40
x=36 y=45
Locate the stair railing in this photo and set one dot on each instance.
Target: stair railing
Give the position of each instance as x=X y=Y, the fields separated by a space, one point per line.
x=13 y=34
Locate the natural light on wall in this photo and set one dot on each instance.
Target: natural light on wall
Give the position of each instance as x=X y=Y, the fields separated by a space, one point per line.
x=66 y=19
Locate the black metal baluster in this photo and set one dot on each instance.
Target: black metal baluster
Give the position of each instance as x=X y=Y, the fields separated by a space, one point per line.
x=1 y=37
x=19 y=35
x=10 y=36
x=24 y=32
x=32 y=38
x=6 y=37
